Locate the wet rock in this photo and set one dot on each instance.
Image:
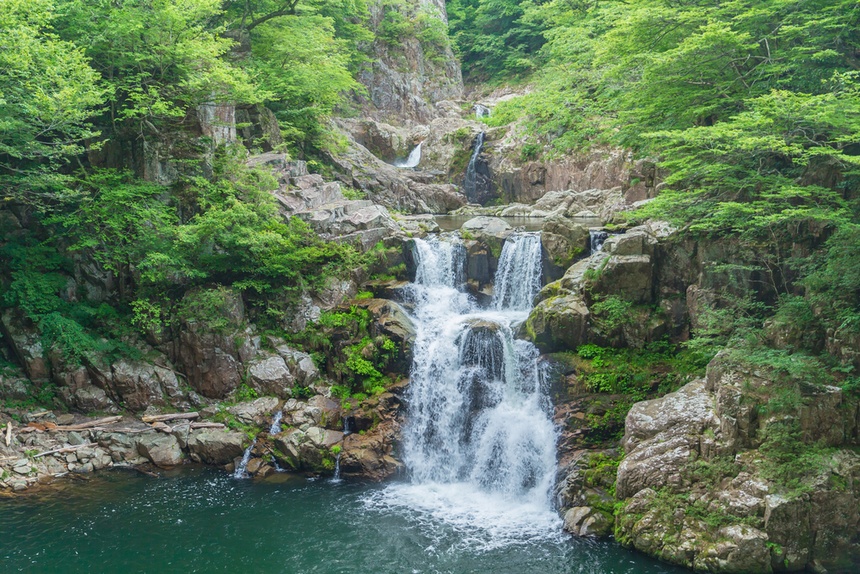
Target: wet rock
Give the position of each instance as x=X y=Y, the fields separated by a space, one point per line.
x=586 y=521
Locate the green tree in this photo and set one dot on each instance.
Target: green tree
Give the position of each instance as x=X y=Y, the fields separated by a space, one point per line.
x=48 y=94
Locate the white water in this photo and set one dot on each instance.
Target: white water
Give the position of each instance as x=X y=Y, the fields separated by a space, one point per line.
x=482 y=111
x=413 y=160
x=276 y=423
x=519 y=272
x=479 y=443
x=240 y=471
x=471 y=181
x=596 y=239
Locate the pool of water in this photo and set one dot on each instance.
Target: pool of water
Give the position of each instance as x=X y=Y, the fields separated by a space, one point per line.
x=202 y=520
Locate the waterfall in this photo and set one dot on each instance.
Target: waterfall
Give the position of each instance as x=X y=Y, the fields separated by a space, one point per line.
x=414 y=158
x=519 y=272
x=596 y=239
x=471 y=182
x=479 y=441
x=336 y=477
x=276 y=423
x=481 y=111
x=240 y=471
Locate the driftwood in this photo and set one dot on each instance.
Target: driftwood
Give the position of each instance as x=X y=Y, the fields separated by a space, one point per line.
x=39 y=414
x=170 y=417
x=89 y=425
x=66 y=449
x=160 y=426
x=8 y=433
x=207 y=426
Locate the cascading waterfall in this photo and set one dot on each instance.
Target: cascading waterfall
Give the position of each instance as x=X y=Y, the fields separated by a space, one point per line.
x=471 y=182
x=482 y=111
x=479 y=442
x=414 y=158
x=596 y=239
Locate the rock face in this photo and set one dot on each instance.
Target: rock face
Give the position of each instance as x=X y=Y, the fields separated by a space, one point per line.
x=699 y=490
x=211 y=356
x=406 y=76
x=520 y=182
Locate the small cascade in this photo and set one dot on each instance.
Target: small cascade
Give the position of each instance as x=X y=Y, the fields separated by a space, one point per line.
x=481 y=111
x=470 y=184
x=336 y=477
x=241 y=470
x=276 y=423
x=414 y=158
x=596 y=239
x=519 y=273
x=348 y=425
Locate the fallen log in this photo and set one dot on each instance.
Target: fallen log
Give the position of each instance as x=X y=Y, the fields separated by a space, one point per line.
x=170 y=417
x=66 y=449
x=208 y=425
x=89 y=425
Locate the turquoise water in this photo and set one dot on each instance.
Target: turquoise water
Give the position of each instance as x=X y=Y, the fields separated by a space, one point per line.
x=201 y=520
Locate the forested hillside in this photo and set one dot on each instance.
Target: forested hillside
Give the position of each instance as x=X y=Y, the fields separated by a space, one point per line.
x=751 y=108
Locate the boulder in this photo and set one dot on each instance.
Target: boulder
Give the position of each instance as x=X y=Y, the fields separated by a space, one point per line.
x=636 y=241
x=215 y=446
x=26 y=342
x=268 y=375
x=140 y=384
x=161 y=449
x=392 y=321
x=558 y=323
x=256 y=412
x=629 y=277
x=210 y=353
x=586 y=521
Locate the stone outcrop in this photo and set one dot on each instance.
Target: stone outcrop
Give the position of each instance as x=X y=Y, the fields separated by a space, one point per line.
x=526 y=182
x=699 y=489
x=122 y=443
x=96 y=384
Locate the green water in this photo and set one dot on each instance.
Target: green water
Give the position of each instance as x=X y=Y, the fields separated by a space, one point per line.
x=201 y=520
